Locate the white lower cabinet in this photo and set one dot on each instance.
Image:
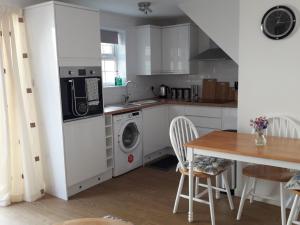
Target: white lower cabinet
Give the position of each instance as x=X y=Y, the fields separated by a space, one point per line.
x=229 y=119
x=85 y=157
x=155 y=129
x=157 y=120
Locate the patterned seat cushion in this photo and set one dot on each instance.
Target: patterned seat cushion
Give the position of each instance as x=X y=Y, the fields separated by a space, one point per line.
x=210 y=165
x=294 y=183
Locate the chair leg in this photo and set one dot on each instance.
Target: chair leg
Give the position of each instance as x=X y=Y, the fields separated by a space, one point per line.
x=253 y=190
x=228 y=192
x=197 y=187
x=293 y=210
x=181 y=182
x=296 y=215
x=243 y=198
x=211 y=202
x=217 y=185
x=282 y=204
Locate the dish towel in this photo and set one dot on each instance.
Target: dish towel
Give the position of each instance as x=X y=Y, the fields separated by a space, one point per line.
x=92 y=90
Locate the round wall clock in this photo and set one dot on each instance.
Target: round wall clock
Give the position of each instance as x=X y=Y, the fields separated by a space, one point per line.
x=278 y=22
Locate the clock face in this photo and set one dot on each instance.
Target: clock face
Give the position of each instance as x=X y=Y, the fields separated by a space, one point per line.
x=278 y=22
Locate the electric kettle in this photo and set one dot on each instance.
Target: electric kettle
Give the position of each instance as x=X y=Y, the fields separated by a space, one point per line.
x=163 y=91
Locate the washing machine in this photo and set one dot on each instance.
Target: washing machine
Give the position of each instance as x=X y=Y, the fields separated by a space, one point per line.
x=128 y=147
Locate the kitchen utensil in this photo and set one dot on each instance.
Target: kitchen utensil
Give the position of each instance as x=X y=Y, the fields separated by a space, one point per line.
x=209 y=89
x=222 y=91
x=194 y=92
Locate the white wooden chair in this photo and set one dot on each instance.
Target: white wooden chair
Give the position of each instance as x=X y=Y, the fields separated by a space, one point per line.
x=182 y=130
x=280 y=126
x=294 y=186
x=295 y=210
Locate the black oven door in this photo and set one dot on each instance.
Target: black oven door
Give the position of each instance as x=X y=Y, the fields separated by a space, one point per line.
x=74 y=98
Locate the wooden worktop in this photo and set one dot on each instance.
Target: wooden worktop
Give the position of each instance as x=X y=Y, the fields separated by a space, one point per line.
x=118 y=109
x=283 y=149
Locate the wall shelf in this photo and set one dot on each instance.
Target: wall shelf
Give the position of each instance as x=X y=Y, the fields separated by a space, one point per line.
x=109 y=141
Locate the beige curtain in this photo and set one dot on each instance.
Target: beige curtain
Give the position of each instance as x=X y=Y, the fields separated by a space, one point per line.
x=21 y=175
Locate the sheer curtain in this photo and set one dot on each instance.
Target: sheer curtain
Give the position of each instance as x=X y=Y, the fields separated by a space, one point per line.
x=21 y=175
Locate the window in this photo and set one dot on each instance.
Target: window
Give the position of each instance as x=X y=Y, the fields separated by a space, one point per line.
x=112 y=56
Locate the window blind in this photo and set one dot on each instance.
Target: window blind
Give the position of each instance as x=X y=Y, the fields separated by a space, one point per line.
x=108 y=36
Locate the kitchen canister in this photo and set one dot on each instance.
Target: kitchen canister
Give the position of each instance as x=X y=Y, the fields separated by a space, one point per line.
x=179 y=93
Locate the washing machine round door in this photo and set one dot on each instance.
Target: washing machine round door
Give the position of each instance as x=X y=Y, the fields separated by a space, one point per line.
x=129 y=137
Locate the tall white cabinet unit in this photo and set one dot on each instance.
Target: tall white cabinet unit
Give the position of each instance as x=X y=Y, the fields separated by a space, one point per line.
x=74 y=154
x=149 y=50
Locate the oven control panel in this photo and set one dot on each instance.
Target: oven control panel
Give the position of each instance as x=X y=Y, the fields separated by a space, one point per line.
x=65 y=72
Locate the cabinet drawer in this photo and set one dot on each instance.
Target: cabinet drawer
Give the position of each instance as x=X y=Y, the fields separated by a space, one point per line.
x=206 y=122
x=203 y=111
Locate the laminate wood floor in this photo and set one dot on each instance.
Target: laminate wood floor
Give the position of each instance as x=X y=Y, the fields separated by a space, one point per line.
x=144 y=196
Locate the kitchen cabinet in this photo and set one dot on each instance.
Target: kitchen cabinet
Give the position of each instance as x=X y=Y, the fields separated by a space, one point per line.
x=148 y=50
x=229 y=119
x=179 y=46
x=85 y=157
x=61 y=34
x=174 y=111
x=155 y=129
x=78 y=35
x=206 y=119
x=166 y=50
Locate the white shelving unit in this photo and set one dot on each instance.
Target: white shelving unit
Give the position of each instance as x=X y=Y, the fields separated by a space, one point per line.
x=109 y=141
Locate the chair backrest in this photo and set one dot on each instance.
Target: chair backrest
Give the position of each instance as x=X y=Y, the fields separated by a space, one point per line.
x=282 y=126
x=182 y=130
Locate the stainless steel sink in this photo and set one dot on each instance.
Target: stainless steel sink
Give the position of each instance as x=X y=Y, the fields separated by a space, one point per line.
x=144 y=102
x=121 y=106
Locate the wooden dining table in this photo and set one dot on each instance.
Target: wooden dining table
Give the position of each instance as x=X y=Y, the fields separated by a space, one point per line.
x=278 y=152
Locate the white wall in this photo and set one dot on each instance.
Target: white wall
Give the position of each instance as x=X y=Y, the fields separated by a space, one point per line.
x=141 y=86
x=219 y=19
x=269 y=71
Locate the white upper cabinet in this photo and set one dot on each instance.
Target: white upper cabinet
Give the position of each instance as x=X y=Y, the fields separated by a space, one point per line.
x=148 y=50
x=166 y=50
x=179 y=46
x=78 y=35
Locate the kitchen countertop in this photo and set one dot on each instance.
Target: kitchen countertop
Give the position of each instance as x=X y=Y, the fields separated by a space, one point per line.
x=119 y=109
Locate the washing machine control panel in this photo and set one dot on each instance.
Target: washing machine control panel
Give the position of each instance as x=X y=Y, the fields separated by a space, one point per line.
x=134 y=114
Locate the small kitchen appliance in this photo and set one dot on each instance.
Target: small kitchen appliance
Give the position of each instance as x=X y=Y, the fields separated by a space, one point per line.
x=81 y=92
x=164 y=91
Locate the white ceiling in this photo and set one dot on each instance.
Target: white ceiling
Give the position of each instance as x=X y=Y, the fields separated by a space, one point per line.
x=161 y=8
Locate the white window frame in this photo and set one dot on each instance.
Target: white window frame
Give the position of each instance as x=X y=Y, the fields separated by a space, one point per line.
x=119 y=57
x=110 y=57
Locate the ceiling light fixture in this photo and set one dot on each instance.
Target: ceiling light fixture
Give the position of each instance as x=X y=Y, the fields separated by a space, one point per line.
x=145 y=7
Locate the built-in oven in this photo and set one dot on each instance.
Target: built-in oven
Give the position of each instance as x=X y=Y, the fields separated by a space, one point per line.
x=81 y=92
